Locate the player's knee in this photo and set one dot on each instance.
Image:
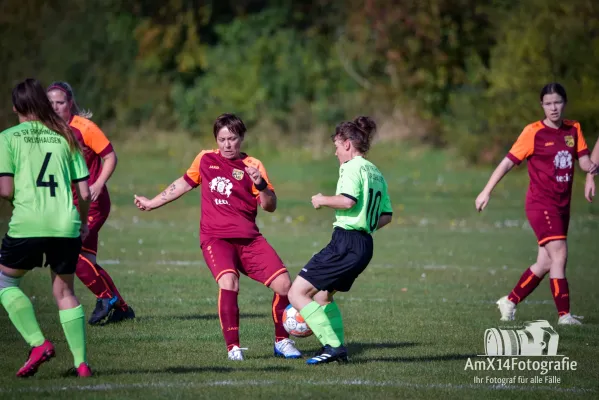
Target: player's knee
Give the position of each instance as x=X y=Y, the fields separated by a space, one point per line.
x=322 y=298
x=8 y=281
x=62 y=290
x=229 y=282
x=281 y=285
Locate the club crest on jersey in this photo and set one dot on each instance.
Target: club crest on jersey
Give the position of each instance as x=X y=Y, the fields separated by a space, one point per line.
x=569 y=141
x=238 y=174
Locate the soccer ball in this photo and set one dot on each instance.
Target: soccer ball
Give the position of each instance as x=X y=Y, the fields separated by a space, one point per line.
x=294 y=323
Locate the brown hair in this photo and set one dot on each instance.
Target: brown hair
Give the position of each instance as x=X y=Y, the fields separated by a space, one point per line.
x=30 y=99
x=554 y=87
x=231 y=122
x=360 y=132
x=68 y=90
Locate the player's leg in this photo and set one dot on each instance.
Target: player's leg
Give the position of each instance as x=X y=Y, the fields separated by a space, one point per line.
x=222 y=260
x=533 y=275
x=558 y=251
x=18 y=257
x=262 y=264
x=331 y=309
x=62 y=255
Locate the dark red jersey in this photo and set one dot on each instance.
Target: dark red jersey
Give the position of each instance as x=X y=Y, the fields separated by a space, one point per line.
x=551 y=155
x=95 y=145
x=229 y=198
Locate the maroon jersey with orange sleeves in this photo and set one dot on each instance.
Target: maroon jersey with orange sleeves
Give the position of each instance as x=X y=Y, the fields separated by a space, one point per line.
x=229 y=198
x=551 y=155
x=95 y=145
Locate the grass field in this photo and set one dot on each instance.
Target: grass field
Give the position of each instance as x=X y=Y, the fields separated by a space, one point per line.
x=412 y=319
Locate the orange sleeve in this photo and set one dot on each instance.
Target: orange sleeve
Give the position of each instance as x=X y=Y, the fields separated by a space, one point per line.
x=192 y=175
x=524 y=146
x=253 y=162
x=581 y=149
x=95 y=139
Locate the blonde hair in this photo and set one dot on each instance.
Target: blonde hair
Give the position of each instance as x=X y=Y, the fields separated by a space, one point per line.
x=68 y=90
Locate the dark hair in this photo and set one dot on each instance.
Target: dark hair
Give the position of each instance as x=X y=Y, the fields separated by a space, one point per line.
x=68 y=90
x=554 y=87
x=30 y=99
x=231 y=122
x=360 y=132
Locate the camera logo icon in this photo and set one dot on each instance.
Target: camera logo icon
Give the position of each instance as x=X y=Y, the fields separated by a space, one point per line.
x=537 y=338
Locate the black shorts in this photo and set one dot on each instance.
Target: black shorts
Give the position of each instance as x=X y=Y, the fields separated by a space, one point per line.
x=336 y=267
x=62 y=254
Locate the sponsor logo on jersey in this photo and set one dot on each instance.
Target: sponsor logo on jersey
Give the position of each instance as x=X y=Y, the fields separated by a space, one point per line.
x=221 y=185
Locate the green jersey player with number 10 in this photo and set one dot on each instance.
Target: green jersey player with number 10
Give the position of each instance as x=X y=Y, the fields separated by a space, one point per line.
x=39 y=160
x=362 y=206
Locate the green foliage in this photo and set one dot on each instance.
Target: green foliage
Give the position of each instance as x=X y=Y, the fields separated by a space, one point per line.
x=261 y=68
x=537 y=42
x=470 y=70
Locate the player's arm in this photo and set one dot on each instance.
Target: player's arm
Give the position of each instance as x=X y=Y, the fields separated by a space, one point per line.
x=337 y=202
x=386 y=210
x=175 y=190
x=266 y=194
x=7 y=170
x=84 y=199
x=96 y=140
x=502 y=169
x=7 y=187
x=587 y=165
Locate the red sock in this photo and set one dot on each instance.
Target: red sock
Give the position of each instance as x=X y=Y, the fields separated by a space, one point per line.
x=527 y=283
x=228 y=313
x=279 y=303
x=122 y=304
x=561 y=295
x=90 y=277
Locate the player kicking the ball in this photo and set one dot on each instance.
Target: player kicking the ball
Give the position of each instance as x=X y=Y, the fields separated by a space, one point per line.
x=362 y=205
x=233 y=184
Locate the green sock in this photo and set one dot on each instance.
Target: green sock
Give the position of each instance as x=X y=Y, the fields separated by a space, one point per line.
x=73 y=324
x=317 y=321
x=20 y=311
x=334 y=315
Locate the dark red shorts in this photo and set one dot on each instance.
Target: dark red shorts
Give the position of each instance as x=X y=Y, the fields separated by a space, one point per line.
x=548 y=225
x=254 y=258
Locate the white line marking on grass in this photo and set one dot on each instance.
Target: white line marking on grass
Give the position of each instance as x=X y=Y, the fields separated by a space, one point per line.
x=106 y=387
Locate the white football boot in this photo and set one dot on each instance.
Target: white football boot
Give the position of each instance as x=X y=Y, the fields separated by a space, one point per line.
x=236 y=353
x=507 y=308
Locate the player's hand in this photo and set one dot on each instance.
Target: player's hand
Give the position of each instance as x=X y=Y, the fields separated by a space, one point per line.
x=95 y=190
x=143 y=203
x=589 y=188
x=593 y=169
x=254 y=175
x=317 y=200
x=481 y=201
x=84 y=231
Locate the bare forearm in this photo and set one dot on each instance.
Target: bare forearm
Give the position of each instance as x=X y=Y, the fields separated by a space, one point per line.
x=338 y=202
x=503 y=168
x=586 y=164
x=268 y=200
x=175 y=190
x=595 y=153
x=108 y=167
x=83 y=200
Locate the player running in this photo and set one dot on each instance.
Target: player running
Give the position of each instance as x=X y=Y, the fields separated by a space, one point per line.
x=101 y=161
x=233 y=184
x=39 y=159
x=551 y=146
x=362 y=206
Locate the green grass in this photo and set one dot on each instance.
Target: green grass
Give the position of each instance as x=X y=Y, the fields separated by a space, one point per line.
x=412 y=319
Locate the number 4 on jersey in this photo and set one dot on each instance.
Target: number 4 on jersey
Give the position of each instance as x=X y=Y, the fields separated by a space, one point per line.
x=40 y=178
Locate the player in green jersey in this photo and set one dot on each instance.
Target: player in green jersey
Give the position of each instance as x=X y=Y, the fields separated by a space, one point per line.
x=39 y=161
x=362 y=206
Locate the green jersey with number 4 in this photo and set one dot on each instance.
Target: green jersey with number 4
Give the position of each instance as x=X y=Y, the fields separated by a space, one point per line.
x=361 y=181
x=43 y=168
